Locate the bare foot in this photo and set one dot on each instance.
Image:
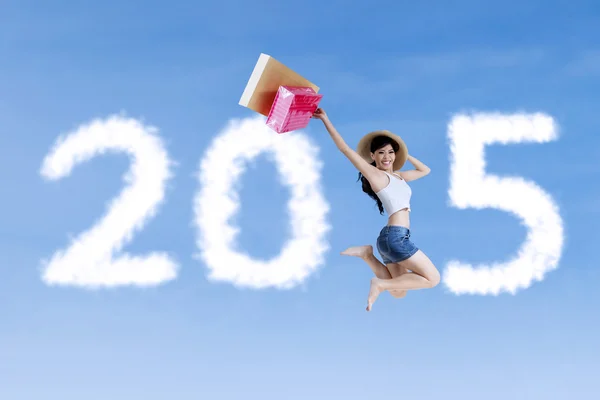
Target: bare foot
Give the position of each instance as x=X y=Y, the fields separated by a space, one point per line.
x=374 y=292
x=358 y=251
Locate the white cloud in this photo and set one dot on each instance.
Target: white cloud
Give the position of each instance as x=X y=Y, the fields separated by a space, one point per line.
x=217 y=201
x=472 y=187
x=93 y=259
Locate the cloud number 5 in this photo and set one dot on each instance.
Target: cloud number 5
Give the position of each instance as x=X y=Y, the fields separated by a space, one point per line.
x=472 y=187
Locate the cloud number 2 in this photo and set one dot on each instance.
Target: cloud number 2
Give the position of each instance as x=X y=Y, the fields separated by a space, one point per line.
x=94 y=258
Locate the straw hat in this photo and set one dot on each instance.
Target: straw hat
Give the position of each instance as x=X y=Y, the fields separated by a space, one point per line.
x=364 y=147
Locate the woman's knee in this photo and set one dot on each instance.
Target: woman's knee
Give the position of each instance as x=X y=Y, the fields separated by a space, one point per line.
x=434 y=277
x=422 y=265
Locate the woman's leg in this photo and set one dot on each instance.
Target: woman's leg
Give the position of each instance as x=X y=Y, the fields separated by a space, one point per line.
x=395 y=271
x=366 y=253
x=424 y=275
x=378 y=268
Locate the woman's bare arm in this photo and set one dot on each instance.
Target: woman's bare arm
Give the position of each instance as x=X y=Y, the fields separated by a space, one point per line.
x=420 y=170
x=373 y=175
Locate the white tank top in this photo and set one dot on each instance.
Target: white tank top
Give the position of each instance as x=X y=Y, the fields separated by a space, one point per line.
x=396 y=195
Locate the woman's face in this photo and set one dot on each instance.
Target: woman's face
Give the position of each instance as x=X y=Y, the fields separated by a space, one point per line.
x=384 y=157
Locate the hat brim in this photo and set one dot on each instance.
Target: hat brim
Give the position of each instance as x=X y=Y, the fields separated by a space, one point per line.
x=364 y=147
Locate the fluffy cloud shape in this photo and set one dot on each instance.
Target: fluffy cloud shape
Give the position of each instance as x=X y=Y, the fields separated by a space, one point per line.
x=94 y=258
x=217 y=201
x=472 y=187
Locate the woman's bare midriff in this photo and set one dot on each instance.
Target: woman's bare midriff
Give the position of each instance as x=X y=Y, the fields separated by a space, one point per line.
x=400 y=218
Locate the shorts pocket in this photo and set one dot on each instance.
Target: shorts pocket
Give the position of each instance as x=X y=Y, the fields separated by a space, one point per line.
x=398 y=241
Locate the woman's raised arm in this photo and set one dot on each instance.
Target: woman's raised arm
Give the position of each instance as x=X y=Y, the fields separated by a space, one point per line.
x=373 y=175
x=420 y=170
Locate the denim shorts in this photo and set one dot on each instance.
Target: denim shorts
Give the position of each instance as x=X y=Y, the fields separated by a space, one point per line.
x=394 y=244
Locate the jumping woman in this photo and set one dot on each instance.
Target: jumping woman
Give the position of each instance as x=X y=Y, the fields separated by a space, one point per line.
x=378 y=158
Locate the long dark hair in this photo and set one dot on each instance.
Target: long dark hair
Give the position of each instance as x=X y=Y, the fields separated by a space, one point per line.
x=377 y=143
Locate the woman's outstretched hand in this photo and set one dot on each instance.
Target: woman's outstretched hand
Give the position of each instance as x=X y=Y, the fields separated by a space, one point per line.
x=320 y=114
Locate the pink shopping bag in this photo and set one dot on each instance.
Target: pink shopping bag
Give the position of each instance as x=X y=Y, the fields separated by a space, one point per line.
x=292 y=108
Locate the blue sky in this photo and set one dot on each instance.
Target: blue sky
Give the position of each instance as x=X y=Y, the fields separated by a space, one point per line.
x=181 y=67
